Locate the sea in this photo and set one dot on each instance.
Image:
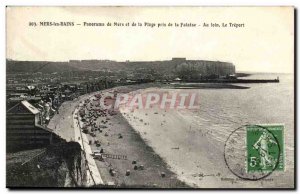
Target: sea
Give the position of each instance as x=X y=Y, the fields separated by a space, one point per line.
x=199 y=135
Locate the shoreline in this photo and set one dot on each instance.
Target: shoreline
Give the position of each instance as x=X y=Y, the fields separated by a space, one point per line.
x=175 y=153
x=192 y=144
x=122 y=122
x=137 y=144
x=134 y=147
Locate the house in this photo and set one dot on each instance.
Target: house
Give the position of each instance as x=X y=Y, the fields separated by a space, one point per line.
x=24 y=129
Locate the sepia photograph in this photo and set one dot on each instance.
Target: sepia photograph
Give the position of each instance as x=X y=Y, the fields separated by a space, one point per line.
x=162 y=97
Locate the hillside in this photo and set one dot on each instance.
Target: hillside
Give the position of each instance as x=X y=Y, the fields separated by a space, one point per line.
x=186 y=67
x=58 y=165
x=38 y=66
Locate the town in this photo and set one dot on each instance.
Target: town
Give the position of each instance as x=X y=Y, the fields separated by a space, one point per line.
x=47 y=85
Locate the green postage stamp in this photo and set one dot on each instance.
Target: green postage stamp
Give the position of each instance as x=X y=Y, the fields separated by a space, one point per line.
x=265 y=148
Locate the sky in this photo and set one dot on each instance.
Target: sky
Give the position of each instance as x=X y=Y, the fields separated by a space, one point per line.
x=264 y=44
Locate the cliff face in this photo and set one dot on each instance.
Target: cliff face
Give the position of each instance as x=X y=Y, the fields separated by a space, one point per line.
x=221 y=67
x=203 y=69
x=177 y=67
x=58 y=165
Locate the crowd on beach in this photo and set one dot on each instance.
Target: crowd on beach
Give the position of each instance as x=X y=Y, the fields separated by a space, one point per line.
x=96 y=122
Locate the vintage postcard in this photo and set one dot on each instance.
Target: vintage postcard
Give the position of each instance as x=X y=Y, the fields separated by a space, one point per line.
x=150 y=97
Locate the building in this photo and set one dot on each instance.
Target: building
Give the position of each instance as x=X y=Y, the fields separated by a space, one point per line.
x=23 y=128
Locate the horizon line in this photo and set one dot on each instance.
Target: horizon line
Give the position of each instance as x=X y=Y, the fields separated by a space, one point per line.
x=119 y=60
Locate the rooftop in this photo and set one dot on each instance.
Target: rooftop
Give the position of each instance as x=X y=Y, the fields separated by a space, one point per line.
x=30 y=107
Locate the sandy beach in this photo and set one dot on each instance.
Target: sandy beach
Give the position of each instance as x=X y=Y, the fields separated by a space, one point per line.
x=186 y=145
x=192 y=142
x=131 y=145
x=173 y=135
